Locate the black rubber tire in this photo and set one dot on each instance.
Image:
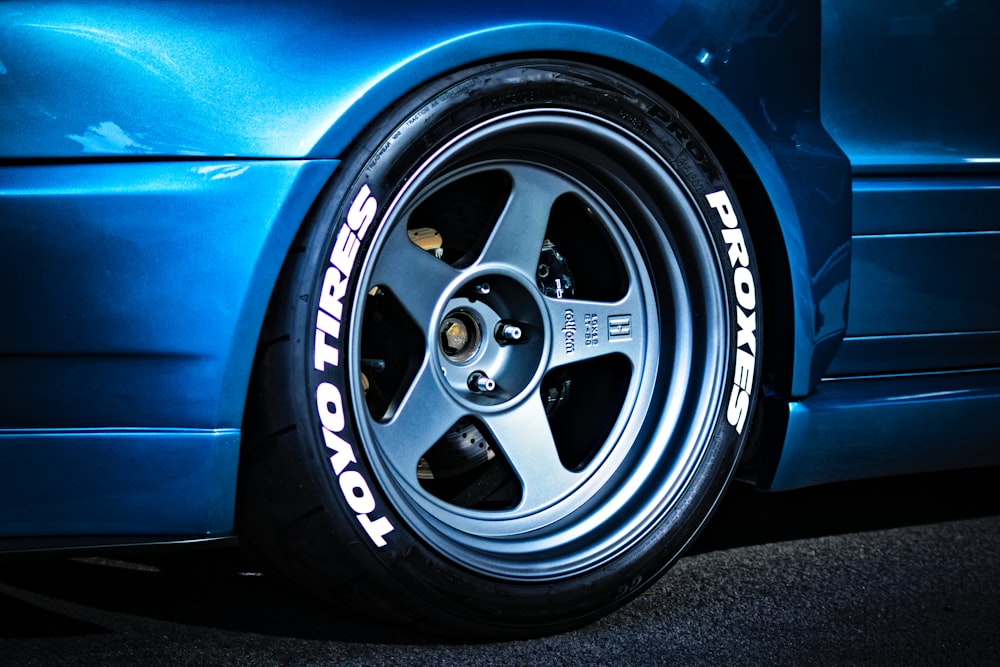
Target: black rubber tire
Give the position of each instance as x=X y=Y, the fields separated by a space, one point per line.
x=649 y=407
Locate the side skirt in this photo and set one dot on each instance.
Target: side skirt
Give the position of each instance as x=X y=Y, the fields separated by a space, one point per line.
x=133 y=482
x=853 y=428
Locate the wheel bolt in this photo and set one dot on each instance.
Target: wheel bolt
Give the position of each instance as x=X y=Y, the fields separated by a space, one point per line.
x=480 y=382
x=508 y=333
x=483 y=288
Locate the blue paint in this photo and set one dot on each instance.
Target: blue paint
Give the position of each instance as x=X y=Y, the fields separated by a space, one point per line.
x=908 y=86
x=853 y=429
x=158 y=158
x=114 y=482
x=140 y=287
x=186 y=79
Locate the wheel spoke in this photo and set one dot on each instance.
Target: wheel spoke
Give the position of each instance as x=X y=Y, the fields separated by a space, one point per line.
x=517 y=238
x=587 y=329
x=422 y=417
x=415 y=277
x=525 y=438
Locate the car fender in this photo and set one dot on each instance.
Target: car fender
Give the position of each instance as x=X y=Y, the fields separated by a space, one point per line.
x=236 y=83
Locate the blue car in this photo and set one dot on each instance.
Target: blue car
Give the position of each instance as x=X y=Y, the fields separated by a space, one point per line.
x=465 y=315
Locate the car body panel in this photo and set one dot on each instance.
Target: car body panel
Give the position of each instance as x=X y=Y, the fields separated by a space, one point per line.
x=161 y=331
x=180 y=145
x=125 y=379
x=855 y=429
x=913 y=387
x=117 y=482
x=908 y=85
x=904 y=94
x=323 y=87
x=246 y=79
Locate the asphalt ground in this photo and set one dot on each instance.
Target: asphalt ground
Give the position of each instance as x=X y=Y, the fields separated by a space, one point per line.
x=902 y=571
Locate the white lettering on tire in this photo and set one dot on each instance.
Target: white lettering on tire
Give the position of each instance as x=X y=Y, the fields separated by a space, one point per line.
x=326 y=353
x=745 y=286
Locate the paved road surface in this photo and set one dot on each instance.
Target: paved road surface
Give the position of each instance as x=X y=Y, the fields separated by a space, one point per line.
x=899 y=572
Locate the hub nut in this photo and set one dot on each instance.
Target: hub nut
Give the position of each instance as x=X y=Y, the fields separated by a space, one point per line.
x=508 y=333
x=480 y=382
x=460 y=336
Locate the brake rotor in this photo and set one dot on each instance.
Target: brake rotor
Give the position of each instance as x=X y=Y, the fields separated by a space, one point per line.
x=462 y=449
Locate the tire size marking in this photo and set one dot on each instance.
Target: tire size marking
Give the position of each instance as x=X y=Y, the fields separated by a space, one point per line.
x=329 y=399
x=746 y=310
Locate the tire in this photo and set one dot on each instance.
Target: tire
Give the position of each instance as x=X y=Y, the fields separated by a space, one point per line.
x=507 y=372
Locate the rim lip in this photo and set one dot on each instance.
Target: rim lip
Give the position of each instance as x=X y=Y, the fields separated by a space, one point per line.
x=626 y=495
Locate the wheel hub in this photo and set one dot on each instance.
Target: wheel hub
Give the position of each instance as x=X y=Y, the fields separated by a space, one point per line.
x=490 y=341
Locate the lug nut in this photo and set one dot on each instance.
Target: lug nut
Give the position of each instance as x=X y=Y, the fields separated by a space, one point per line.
x=480 y=382
x=483 y=288
x=508 y=333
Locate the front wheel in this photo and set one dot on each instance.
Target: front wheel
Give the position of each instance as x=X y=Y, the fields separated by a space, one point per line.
x=509 y=374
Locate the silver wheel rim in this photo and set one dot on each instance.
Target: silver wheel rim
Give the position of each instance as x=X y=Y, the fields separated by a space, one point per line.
x=669 y=322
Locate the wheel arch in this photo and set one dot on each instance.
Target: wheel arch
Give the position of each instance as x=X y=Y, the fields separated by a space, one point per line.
x=772 y=173
x=804 y=272
x=800 y=229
